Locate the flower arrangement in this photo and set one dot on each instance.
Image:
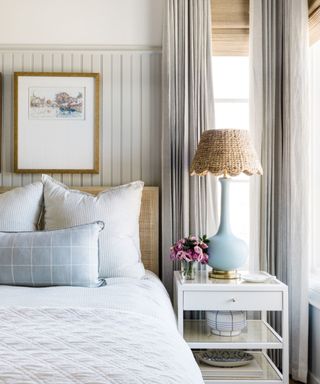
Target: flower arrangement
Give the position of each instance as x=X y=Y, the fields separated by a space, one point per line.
x=190 y=249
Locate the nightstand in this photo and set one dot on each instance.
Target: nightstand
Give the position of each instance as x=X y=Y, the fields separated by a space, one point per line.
x=204 y=294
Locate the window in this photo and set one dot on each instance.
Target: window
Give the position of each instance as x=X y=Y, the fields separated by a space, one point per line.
x=231 y=92
x=315 y=161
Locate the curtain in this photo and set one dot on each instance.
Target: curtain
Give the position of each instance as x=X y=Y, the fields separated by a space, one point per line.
x=279 y=122
x=187 y=110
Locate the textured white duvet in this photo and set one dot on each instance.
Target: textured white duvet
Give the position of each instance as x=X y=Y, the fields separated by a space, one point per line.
x=123 y=333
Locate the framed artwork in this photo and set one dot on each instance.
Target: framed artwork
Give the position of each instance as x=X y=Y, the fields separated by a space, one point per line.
x=56 y=122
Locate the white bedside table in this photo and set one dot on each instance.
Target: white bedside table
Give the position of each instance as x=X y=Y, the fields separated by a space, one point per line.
x=204 y=294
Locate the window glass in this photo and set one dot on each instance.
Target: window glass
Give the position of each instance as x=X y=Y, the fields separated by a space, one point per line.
x=231 y=77
x=232 y=114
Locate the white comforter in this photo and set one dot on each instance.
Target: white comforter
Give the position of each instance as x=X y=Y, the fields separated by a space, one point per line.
x=123 y=333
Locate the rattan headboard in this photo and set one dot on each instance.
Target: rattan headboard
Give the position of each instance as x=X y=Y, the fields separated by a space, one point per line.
x=149 y=224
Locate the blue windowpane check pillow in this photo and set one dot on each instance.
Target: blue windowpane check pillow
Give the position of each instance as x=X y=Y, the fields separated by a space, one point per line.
x=47 y=258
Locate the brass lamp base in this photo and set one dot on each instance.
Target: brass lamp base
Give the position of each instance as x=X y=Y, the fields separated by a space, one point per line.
x=226 y=275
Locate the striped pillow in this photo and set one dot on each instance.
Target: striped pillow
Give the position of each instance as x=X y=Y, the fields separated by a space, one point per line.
x=20 y=208
x=118 y=208
x=47 y=258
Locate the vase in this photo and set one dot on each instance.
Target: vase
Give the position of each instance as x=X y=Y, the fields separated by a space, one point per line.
x=226 y=251
x=188 y=269
x=226 y=323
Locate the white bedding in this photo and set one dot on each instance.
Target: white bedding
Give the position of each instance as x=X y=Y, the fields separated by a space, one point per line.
x=123 y=333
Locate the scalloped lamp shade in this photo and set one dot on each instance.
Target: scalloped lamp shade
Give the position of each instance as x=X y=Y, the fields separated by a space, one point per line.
x=226 y=151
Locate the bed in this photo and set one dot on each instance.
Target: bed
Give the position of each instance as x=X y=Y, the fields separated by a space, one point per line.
x=124 y=332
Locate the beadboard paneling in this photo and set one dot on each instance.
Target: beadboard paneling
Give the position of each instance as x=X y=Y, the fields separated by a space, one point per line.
x=130 y=105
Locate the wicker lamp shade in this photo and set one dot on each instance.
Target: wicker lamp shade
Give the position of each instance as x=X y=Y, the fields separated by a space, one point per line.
x=226 y=152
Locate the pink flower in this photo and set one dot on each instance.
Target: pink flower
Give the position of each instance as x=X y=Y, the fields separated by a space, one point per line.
x=197 y=250
x=179 y=246
x=195 y=256
x=205 y=259
x=179 y=255
x=186 y=256
x=189 y=249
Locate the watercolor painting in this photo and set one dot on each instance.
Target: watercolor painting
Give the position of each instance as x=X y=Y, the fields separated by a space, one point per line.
x=56 y=103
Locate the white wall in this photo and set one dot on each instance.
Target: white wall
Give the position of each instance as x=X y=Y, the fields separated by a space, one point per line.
x=120 y=39
x=110 y=22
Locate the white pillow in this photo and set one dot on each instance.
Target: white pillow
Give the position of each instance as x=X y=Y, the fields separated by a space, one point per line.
x=20 y=208
x=118 y=208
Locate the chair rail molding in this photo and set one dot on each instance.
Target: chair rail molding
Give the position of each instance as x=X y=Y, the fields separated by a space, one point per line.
x=78 y=47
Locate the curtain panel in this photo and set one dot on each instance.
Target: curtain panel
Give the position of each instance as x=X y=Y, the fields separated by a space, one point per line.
x=187 y=110
x=279 y=124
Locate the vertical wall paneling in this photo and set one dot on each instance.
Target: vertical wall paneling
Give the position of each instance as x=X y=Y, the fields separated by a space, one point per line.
x=136 y=101
x=130 y=110
x=152 y=65
x=146 y=123
x=126 y=116
x=116 y=149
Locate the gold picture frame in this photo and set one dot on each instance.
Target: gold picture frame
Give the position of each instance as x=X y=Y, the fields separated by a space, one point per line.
x=56 y=122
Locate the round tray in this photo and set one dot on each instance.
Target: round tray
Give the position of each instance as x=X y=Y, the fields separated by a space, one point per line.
x=225 y=358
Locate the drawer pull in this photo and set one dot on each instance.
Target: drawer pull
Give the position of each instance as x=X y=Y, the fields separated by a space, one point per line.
x=233 y=300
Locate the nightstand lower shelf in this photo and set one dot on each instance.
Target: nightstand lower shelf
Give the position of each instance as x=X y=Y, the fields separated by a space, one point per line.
x=270 y=374
x=257 y=335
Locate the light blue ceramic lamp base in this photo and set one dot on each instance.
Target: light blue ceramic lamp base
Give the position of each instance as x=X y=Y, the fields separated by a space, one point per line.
x=226 y=252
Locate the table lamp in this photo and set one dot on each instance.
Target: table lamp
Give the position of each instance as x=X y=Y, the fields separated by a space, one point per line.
x=226 y=152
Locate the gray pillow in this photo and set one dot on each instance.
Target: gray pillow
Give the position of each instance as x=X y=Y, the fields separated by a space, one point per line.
x=20 y=208
x=47 y=258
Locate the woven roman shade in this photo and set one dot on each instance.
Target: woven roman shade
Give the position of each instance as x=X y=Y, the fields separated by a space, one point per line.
x=230 y=27
x=226 y=152
x=314 y=21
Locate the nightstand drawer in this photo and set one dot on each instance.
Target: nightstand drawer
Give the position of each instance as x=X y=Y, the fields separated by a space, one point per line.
x=225 y=300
